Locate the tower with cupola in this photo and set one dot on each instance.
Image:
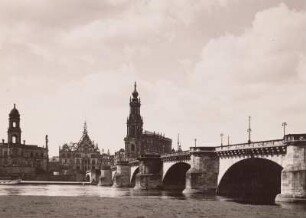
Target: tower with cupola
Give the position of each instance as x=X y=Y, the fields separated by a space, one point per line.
x=14 y=130
x=134 y=127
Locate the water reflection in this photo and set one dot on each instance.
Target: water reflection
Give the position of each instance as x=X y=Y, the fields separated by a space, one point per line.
x=98 y=191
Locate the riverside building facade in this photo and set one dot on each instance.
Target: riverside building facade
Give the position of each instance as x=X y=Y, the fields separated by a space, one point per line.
x=77 y=158
x=18 y=159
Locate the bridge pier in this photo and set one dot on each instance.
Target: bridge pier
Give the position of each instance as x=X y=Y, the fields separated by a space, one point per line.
x=202 y=177
x=293 y=177
x=93 y=176
x=122 y=175
x=105 y=178
x=150 y=175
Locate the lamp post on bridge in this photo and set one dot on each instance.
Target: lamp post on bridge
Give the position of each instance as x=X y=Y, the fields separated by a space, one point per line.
x=221 y=135
x=195 y=142
x=284 y=124
x=249 y=130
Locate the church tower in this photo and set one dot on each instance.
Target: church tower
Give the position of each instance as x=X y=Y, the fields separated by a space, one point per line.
x=134 y=127
x=14 y=131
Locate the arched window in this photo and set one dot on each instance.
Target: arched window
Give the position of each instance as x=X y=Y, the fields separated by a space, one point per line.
x=14 y=124
x=132 y=147
x=14 y=139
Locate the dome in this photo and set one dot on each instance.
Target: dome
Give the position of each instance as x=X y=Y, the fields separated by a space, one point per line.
x=14 y=111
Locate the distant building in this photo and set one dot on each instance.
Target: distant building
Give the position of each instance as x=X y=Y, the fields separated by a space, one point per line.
x=139 y=142
x=76 y=158
x=19 y=159
x=107 y=159
x=54 y=165
x=119 y=156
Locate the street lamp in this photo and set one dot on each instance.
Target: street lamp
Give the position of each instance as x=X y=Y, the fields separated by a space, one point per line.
x=284 y=124
x=221 y=135
x=249 y=130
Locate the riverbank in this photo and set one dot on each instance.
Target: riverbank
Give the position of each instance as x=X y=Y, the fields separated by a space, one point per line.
x=52 y=206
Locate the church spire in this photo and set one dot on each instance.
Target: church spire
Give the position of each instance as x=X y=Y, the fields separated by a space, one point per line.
x=135 y=93
x=134 y=121
x=85 y=129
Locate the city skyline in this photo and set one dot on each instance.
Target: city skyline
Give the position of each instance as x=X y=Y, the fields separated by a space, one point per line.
x=195 y=77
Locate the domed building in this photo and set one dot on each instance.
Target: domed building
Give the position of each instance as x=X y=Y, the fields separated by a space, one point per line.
x=18 y=159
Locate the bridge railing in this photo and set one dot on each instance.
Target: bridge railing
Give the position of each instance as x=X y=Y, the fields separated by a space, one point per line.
x=295 y=138
x=259 y=144
x=181 y=155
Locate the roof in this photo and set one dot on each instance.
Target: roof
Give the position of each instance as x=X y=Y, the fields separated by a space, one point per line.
x=85 y=143
x=154 y=134
x=14 y=112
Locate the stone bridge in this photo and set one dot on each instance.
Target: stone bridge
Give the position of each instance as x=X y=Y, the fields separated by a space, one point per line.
x=273 y=151
x=263 y=170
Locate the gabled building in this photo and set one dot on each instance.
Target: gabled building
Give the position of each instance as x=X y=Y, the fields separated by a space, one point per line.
x=76 y=158
x=80 y=157
x=139 y=142
x=18 y=159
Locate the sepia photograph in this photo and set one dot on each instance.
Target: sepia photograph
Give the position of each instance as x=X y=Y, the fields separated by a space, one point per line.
x=153 y=108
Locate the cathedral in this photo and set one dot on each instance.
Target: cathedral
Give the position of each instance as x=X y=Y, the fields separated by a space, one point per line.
x=139 y=142
x=17 y=159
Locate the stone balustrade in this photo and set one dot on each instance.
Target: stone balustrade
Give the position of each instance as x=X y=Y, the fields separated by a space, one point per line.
x=176 y=156
x=270 y=147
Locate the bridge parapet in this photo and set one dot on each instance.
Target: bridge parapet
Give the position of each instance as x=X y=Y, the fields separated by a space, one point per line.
x=254 y=148
x=295 y=138
x=195 y=150
x=176 y=156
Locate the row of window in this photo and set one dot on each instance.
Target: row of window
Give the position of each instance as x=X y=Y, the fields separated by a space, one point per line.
x=78 y=161
x=69 y=155
x=16 y=152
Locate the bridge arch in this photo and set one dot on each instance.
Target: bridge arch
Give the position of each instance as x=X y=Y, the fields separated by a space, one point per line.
x=134 y=172
x=175 y=176
x=252 y=179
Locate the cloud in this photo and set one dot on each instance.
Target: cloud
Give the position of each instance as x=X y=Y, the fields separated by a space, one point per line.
x=259 y=72
x=202 y=67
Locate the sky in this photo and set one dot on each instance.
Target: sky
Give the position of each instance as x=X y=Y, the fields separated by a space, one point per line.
x=201 y=67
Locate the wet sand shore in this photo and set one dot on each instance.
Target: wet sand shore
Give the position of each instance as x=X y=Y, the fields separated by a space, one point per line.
x=44 y=206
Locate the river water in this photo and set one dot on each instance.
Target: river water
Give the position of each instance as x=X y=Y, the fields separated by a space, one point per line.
x=109 y=192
